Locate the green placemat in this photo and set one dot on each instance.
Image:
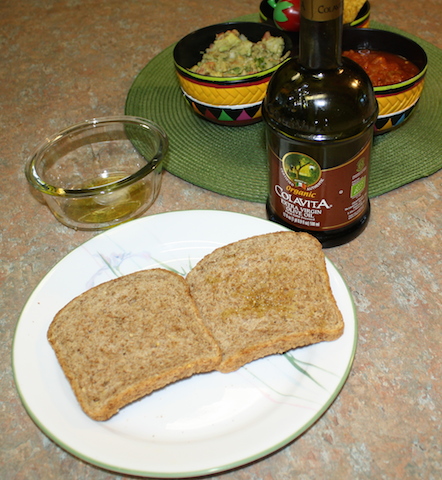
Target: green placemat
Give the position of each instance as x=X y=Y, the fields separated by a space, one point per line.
x=232 y=160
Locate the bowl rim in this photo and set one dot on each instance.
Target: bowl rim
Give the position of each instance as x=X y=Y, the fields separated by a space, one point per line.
x=362 y=16
x=35 y=179
x=239 y=78
x=230 y=80
x=401 y=85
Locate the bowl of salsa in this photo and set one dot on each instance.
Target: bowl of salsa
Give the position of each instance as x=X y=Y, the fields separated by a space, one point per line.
x=396 y=66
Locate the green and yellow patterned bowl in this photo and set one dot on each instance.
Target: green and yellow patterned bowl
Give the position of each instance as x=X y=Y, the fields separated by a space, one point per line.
x=232 y=101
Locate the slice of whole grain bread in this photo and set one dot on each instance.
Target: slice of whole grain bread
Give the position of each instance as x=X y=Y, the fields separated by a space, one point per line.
x=127 y=337
x=266 y=294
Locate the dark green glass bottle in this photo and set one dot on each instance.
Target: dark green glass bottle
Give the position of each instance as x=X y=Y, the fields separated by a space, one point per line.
x=319 y=113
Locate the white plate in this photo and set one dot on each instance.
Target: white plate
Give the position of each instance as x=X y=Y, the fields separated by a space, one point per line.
x=202 y=425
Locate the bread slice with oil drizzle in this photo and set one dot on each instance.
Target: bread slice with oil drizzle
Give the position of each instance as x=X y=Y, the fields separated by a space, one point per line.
x=264 y=295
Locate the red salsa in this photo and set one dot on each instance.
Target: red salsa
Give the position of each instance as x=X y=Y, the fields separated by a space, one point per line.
x=383 y=68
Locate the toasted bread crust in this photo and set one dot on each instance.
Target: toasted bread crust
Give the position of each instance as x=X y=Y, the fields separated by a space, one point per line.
x=265 y=294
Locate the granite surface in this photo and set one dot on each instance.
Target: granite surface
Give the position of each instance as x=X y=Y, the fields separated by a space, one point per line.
x=63 y=61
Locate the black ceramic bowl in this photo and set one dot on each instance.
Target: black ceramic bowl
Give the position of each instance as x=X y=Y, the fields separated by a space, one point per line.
x=232 y=101
x=396 y=102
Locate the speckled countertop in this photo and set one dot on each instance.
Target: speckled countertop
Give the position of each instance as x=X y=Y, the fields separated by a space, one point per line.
x=63 y=61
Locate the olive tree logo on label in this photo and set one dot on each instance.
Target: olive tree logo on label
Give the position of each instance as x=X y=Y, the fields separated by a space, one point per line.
x=301 y=170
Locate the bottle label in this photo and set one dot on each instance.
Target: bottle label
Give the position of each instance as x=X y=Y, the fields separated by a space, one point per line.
x=321 y=10
x=316 y=199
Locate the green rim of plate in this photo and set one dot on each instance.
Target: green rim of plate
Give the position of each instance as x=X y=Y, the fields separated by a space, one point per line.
x=232 y=161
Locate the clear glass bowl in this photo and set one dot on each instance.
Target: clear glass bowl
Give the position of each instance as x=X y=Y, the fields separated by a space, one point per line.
x=100 y=172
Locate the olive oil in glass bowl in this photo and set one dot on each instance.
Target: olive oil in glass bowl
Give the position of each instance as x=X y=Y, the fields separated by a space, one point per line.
x=101 y=172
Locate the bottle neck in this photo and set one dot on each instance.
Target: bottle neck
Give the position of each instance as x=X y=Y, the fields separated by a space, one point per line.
x=320 y=34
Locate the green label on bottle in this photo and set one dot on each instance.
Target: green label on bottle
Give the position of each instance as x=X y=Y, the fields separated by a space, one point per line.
x=321 y=10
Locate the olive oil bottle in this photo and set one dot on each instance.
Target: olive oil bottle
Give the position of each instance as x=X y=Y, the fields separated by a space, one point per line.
x=319 y=113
